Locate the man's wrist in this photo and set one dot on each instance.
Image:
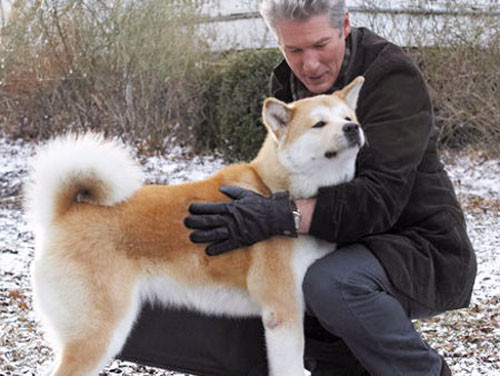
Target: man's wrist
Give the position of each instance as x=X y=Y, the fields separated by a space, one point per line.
x=306 y=208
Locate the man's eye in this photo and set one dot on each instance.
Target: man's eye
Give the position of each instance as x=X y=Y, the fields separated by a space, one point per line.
x=319 y=124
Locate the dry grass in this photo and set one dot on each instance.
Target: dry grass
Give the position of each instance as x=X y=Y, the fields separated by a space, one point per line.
x=458 y=52
x=125 y=67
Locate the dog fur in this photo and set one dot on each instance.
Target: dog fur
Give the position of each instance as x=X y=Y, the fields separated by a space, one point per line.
x=106 y=244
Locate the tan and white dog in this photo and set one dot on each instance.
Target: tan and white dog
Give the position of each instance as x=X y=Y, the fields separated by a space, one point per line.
x=105 y=244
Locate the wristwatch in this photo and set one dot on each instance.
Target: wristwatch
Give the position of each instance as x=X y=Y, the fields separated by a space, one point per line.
x=297 y=216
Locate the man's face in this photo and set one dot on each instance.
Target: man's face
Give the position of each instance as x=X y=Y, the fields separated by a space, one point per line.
x=314 y=50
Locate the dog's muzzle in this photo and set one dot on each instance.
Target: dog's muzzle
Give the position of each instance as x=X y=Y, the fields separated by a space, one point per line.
x=352 y=133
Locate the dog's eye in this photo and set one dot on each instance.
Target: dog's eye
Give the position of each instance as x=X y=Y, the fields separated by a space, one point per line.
x=319 y=124
x=347 y=118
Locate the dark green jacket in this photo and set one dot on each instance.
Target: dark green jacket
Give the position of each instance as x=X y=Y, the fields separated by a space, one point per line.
x=401 y=203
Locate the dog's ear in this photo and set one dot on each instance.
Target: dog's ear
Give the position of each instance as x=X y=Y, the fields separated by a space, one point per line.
x=276 y=115
x=350 y=93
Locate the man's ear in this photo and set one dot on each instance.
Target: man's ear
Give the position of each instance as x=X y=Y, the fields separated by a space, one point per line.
x=276 y=115
x=346 y=26
x=350 y=93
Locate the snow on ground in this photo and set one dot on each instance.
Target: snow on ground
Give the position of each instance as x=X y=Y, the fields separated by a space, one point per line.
x=468 y=338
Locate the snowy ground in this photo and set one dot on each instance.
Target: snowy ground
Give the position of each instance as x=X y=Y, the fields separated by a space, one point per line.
x=468 y=338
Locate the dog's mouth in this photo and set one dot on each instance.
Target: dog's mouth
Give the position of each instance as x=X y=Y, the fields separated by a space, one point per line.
x=351 y=144
x=354 y=142
x=331 y=154
x=352 y=138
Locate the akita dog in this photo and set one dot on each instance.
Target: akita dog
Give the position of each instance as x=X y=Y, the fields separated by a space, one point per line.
x=105 y=244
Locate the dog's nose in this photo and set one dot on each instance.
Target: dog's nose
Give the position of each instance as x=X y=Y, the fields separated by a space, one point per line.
x=350 y=128
x=352 y=133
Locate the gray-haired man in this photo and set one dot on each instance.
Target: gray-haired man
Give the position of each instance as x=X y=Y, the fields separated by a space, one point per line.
x=404 y=251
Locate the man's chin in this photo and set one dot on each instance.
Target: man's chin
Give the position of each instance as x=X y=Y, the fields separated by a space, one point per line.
x=318 y=88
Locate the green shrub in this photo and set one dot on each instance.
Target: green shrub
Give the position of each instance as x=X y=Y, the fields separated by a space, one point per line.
x=244 y=83
x=201 y=120
x=229 y=93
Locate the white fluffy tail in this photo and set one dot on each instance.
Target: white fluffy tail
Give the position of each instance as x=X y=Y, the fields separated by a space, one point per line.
x=79 y=168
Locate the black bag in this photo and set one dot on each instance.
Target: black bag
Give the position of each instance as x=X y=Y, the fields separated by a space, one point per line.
x=190 y=342
x=194 y=343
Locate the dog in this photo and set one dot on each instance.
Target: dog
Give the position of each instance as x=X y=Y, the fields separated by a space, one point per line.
x=106 y=244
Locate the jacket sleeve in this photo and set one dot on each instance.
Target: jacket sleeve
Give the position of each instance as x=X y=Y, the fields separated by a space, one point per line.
x=395 y=113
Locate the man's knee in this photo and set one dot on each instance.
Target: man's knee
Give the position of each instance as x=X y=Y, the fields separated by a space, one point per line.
x=325 y=298
x=325 y=286
x=320 y=285
x=342 y=277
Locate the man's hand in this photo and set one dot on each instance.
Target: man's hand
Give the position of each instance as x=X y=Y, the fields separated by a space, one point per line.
x=248 y=219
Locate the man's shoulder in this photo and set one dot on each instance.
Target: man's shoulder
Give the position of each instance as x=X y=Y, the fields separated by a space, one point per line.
x=367 y=38
x=376 y=58
x=370 y=47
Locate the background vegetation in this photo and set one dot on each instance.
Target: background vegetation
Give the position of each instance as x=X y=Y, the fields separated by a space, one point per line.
x=233 y=106
x=125 y=67
x=144 y=71
x=458 y=50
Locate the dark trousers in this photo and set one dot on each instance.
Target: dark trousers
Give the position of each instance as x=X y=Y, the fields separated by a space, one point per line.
x=350 y=295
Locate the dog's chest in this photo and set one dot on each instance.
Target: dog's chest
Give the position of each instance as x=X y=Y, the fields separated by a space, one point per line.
x=307 y=185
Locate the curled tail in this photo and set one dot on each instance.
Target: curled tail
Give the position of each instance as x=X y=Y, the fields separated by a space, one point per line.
x=79 y=168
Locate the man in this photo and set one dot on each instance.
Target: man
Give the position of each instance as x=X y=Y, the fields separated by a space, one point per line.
x=403 y=249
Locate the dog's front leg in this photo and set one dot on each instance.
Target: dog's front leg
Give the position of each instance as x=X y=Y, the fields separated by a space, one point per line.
x=276 y=286
x=285 y=343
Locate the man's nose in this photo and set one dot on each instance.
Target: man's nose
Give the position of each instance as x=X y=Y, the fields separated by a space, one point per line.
x=311 y=61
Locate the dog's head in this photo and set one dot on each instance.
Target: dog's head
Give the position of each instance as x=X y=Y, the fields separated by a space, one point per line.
x=319 y=137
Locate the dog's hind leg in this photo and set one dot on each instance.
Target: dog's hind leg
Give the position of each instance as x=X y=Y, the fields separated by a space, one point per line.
x=83 y=357
x=87 y=320
x=89 y=352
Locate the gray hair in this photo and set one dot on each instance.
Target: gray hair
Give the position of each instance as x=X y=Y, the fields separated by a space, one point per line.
x=273 y=11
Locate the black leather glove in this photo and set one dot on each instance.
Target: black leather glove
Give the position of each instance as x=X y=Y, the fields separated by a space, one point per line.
x=248 y=219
